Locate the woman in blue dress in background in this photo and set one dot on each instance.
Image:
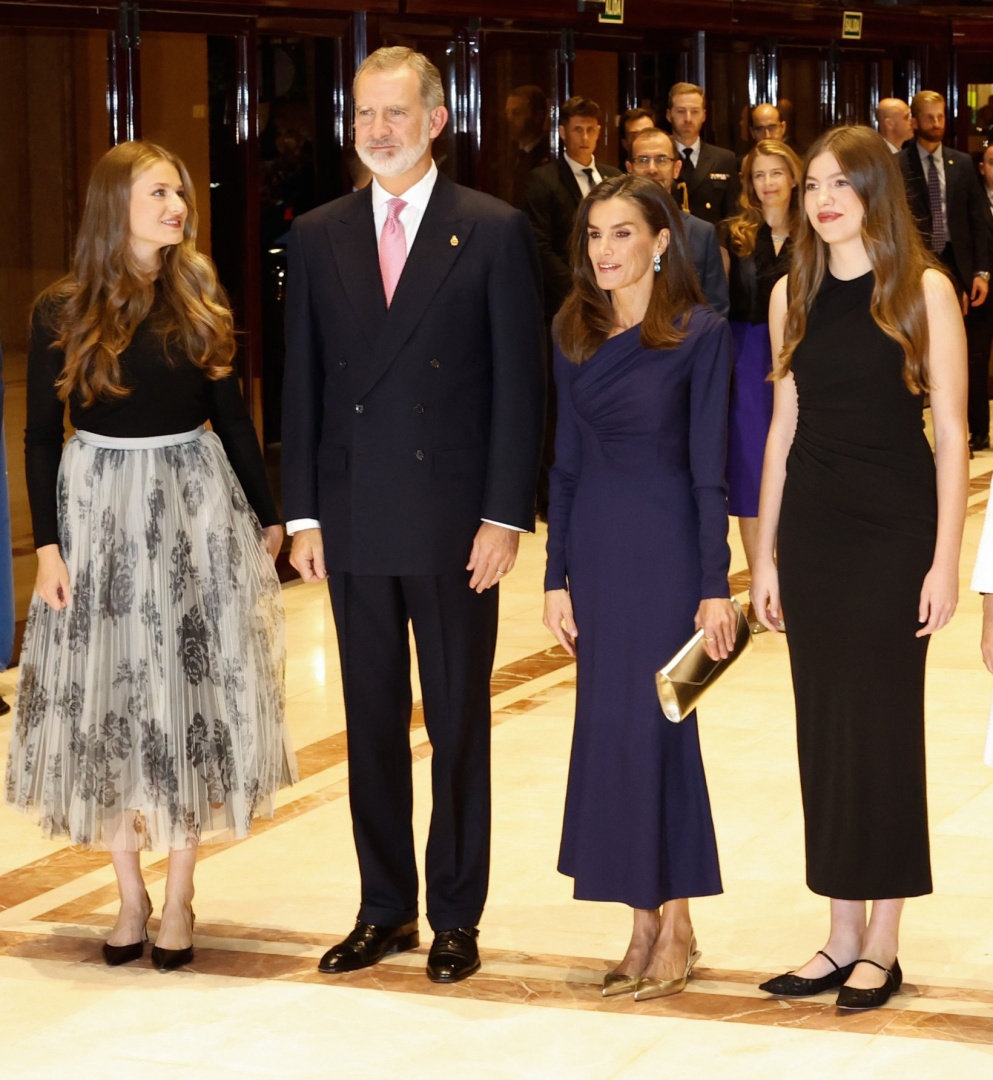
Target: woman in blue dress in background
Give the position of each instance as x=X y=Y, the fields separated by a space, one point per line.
x=760 y=245
x=638 y=557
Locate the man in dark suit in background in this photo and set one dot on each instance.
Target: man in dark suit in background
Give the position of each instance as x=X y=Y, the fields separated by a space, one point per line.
x=413 y=404
x=554 y=191
x=948 y=205
x=893 y=122
x=654 y=157
x=633 y=121
x=709 y=172
x=552 y=196
x=527 y=116
x=766 y=123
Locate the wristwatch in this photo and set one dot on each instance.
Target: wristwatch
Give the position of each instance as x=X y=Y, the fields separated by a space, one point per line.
x=984 y=274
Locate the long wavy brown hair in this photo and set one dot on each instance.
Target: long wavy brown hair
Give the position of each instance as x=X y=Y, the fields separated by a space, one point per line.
x=586 y=318
x=744 y=227
x=892 y=242
x=95 y=309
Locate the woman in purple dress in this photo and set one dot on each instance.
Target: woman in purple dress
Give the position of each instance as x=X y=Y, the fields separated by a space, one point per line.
x=638 y=557
x=760 y=245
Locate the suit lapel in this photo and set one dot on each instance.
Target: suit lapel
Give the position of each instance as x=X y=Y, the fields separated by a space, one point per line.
x=352 y=236
x=441 y=239
x=569 y=181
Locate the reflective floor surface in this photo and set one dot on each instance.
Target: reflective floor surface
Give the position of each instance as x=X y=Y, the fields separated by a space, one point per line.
x=253 y=1003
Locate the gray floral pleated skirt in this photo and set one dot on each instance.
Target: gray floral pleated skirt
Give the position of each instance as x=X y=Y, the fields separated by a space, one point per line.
x=150 y=710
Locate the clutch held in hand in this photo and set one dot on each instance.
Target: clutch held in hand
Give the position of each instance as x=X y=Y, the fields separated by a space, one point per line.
x=691 y=672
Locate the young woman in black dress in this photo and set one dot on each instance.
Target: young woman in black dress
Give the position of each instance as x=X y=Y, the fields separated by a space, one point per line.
x=868 y=524
x=150 y=698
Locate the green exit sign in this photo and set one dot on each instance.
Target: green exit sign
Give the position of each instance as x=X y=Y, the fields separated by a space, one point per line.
x=613 y=11
x=851 y=26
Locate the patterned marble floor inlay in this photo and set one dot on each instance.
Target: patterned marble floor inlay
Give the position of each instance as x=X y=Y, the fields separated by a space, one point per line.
x=71 y=932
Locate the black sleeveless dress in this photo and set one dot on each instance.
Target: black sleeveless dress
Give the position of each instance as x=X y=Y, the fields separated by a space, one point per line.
x=856 y=538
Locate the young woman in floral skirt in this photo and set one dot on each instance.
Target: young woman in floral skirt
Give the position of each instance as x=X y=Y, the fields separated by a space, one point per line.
x=150 y=702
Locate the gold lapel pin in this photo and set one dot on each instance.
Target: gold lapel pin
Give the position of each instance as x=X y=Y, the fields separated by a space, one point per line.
x=454 y=241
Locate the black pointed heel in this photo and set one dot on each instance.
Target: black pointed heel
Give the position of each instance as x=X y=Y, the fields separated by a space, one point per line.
x=790 y=985
x=854 y=997
x=115 y=955
x=170 y=959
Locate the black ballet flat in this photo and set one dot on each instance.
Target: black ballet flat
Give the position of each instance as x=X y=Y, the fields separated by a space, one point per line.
x=853 y=997
x=790 y=985
x=115 y=955
x=170 y=959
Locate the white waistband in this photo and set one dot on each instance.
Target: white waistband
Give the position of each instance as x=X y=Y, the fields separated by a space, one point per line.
x=149 y=442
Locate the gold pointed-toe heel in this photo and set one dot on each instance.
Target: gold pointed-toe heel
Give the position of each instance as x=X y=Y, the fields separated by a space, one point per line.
x=656 y=988
x=615 y=983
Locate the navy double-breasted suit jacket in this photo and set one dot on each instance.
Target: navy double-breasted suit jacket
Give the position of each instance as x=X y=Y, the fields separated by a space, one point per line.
x=405 y=426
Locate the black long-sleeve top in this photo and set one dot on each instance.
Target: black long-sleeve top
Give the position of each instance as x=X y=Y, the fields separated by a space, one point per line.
x=752 y=278
x=169 y=394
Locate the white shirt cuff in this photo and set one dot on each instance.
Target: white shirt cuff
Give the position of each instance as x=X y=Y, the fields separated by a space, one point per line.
x=513 y=528
x=299 y=524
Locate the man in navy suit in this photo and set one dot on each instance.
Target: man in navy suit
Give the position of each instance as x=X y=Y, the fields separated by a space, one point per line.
x=653 y=156
x=948 y=205
x=412 y=423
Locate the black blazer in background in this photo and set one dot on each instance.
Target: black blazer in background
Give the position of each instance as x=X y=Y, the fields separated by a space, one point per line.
x=713 y=189
x=405 y=426
x=966 y=208
x=551 y=198
x=701 y=237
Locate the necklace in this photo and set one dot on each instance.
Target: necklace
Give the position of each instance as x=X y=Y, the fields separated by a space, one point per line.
x=778 y=238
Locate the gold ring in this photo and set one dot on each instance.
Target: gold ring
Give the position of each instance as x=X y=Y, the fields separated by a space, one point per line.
x=710 y=639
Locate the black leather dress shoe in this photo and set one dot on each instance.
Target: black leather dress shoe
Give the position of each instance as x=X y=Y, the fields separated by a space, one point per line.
x=979 y=442
x=790 y=985
x=367 y=945
x=454 y=955
x=852 y=997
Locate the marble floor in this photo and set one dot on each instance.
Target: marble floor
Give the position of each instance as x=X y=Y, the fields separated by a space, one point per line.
x=253 y=1003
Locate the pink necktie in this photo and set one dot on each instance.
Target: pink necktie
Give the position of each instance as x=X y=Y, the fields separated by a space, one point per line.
x=392 y=249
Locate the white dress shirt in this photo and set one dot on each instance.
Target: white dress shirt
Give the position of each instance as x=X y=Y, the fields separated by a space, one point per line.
x=581 y=178
x=694 y=154
x=416 y=197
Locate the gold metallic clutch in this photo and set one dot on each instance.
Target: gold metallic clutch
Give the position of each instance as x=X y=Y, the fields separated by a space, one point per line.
x=691 y=672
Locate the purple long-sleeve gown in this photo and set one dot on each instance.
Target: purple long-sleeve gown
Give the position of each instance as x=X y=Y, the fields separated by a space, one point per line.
x=637 y=530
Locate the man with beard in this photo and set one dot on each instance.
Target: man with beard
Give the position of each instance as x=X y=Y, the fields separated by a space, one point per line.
x=709 y=172
x=654 y=157
x=413 y=404
x=948 y=205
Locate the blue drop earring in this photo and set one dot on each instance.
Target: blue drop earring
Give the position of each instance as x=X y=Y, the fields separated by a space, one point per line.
x=658 y=262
